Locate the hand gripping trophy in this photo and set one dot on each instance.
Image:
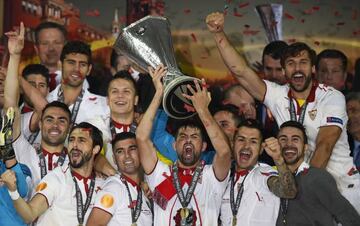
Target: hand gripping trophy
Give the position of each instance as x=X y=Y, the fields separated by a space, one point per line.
x=148 y=42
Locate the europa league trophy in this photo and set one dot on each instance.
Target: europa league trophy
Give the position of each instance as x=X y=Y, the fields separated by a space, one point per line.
x=271 y=19
x=148 y=42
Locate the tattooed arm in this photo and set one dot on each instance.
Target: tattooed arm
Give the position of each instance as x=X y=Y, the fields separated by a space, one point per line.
x=284 y=185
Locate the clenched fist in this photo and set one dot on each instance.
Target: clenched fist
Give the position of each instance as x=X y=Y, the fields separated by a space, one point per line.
x=215 y=22
x=272 y=148
x=9 y=179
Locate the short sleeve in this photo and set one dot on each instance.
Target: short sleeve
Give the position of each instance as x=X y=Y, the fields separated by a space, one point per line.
x=108 y=197
x=50 y=186
x=334 y=110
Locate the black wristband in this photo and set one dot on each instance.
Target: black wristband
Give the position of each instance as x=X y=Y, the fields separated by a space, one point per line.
x=7 y=152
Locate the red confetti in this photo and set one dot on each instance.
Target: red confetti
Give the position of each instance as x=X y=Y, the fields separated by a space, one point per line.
x=317 y=43
x=193 y=37
x=354 y=33
x=295 y=1
x=92 y=98
x=189 y=108
x=93 y=13
x=287 y=15
x=187 y=11
x=236 y=13
x=225 y=12
x=308 y=11
x=243 y=5
x=336 y=13
x=204 y=57
x=86 y=130
x=340 y=23
x=316 y=8
x=250 y=32
x=302 y=20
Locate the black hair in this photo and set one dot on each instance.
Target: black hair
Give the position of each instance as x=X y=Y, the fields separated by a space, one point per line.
x=36 y=69
x=123 y=74
x=295 y=49
x=76 y=47
x=231 y=109
x=253 y=124
x=193 y=122
x=48 y=25
x=57 y=104
x=95 y=133
x=296 y=125
x=333 y=54
x=122 y=136
x=274 y=49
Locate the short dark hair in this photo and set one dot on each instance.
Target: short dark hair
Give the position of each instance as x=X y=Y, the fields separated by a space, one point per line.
x=122 y=136
x=296 y=125
x=192 y=122
x=231 y=109
x=57 y=104
x=48 y=25
x=274 y=49
x=252 y=124
x=333 y=54
x=95 y=133
x=36 y=69
x=123 y=74
x=76 y=47
x=295 y=49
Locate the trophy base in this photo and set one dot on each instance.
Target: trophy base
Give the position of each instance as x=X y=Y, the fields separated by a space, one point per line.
x=175 y=105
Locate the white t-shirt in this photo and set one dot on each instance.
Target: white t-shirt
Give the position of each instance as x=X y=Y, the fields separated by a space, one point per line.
x=91 y=106
x=258 y=206
x=113 y=198
x=58 y=188
x=26 y=154
x=326 y=107
x=205 y=201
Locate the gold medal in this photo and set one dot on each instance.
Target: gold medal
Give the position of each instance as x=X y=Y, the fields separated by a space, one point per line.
x=234 y=221
x=184 y=213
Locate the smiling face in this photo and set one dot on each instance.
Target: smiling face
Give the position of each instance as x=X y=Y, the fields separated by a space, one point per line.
x=292 y=145
x=126 y=156
x=54 y=126
x=75 y=68
x=298 y=71
x=247 y=147
x=122 y=96
x=188 y=145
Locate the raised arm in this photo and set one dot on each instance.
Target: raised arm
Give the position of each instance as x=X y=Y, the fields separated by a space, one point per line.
x=147 y=149
x=200 y=99
x=233 y=60
x=283 y=186
x=11 y=85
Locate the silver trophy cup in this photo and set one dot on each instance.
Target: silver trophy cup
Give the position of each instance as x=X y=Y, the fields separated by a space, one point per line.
x=147 y=42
